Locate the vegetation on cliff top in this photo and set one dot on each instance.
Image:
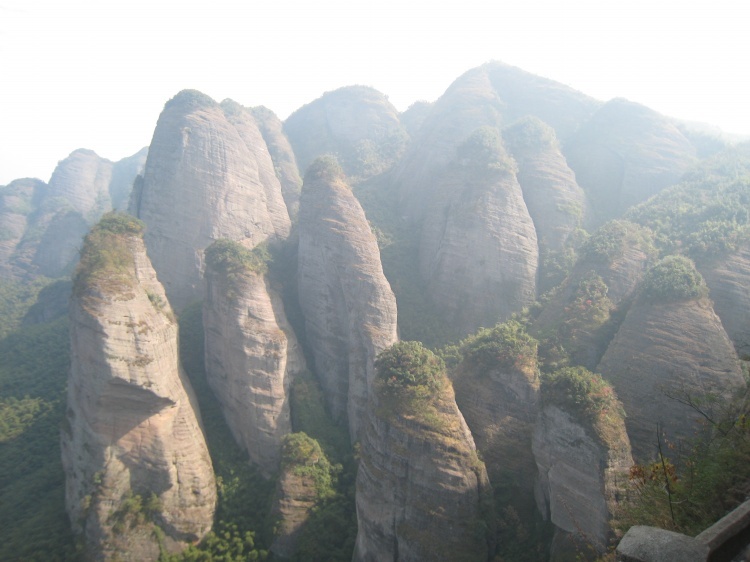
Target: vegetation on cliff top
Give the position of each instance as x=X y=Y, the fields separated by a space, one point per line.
x=232 y=259
x=505 y=347
x=673 y=279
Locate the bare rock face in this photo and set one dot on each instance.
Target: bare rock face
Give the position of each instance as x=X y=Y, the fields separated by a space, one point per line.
x=583 y=469
x=133 y=449
x=348 y=305
x=728 y=279
x=124 y=173
x=556 y=203
x=495 y=95
x=282 y=154
x=671 y=348
x=252 y=354
x=356 y=124
x=498 y=394
x=478 y=252
x=422 y=492
x=17 y=202
x=625 y=154
x=83 y=179
x=208 y=175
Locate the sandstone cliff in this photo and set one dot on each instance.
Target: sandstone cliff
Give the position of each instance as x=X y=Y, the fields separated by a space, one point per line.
x=422 y=493
x=495 y=95
x=252 y=354
x=357 y=124
x=556 y=203
x=348 y=305
x=478 y=250
x=284 y=161
x=17 y=202
x=132 y=445
x=624 y=154
x=208 y=175
x=83 y=179
x=670 y=348
x=583 y=456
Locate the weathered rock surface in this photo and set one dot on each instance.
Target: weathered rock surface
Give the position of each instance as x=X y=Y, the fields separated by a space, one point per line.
x=356 y=124
x=284 y=161
x=583 y=469
x=252 y=356
x=728 y=278
x=348 y=305
x=83 y=179
x=478 y=251
x=669 y=348
x=208 y=175
x=495 y=95
x=131 y=427
x=17 y=202
x=625 y=154
x=421 y=490
x=124 y=173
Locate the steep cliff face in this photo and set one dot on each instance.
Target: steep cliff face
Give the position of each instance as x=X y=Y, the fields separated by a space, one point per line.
x=284 y=161
x=252 y=354
x=492 y=95
x=478 y=251
x=17 y=202
x=124 y=173
x=348 y=305
x=497 y=390
x=83 y=179
x=422 y=493
x=133 y=449
x=670 y=345
x=357 y=124
x=728 y=279
x=556 y=203
x=625 y=154
x=583 y=465
x=208 y=176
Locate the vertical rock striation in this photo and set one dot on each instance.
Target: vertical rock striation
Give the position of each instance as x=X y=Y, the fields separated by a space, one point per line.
x=252 y=354
x=478 y=250
x=133 y=449
x=348 y=305
x=208 y=176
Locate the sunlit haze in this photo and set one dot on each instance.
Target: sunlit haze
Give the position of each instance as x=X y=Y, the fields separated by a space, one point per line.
x=96 y=73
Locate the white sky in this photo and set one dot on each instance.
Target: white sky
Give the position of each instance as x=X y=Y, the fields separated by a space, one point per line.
x=96 y=73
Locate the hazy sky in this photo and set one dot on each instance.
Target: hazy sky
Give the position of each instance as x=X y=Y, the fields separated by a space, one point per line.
x=96 y=73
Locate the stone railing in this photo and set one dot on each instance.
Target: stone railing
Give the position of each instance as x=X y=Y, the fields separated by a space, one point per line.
x=724 y=541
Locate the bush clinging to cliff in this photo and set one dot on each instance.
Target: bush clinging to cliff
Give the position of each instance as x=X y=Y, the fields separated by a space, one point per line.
x=407 y=365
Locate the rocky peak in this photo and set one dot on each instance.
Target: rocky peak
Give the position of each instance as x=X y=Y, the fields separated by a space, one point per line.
x=83 y=179
x=348 y=305
x=208 y=175
x=134 y=453
x=252 y=354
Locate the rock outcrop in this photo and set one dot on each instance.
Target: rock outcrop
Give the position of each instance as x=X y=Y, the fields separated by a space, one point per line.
x=208 y=175
x=478 y=252
x=252 y=354
x=670 y=349
x=422 y=492
x=625 y=154
x=133 y=449
x=348 y=305
x=83 y=179
x=17 y=202
x=583 y=457
x=356 y=124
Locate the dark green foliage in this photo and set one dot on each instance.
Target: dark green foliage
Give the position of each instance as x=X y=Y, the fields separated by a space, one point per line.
x=33 y=375
x=15 y=299
x=610 y=241
x=673 y=279
x=233 y=259
x=324 y=168
x=304 y=456
x=225 y=544
x=708 y=212
x=504 y=347
x=581 y=392
x=408 y=365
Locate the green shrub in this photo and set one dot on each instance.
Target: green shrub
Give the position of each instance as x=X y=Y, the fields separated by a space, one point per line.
x=484 y=150
x=580 y=392
x=673 y=279
x=609 y=242
x=232 y=258
x=304 y=456
x=409 y=365
x=506 y=346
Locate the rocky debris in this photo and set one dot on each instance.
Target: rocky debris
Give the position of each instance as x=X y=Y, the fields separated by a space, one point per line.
x=348 y=305
x=625 y=154
x=133 y=448
x=478 y=251
x=356 y=124
x=208 y=175
x=252 y=354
